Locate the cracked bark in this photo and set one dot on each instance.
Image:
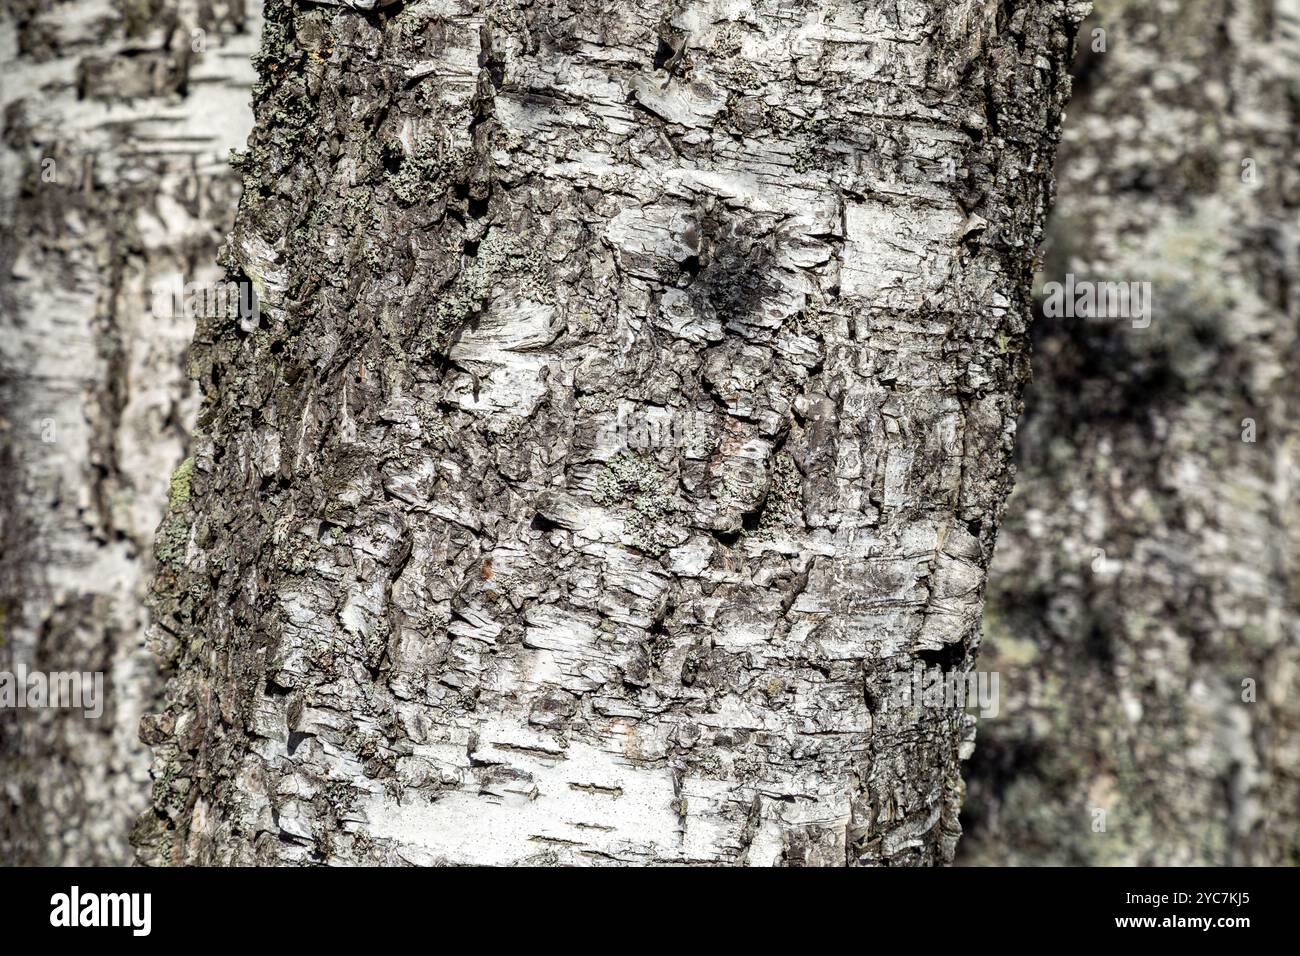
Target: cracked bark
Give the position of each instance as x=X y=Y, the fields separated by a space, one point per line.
x=114 y=176
x=1149 y=561
x=432 y=606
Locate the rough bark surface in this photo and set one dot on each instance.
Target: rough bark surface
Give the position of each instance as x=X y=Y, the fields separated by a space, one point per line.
x=1150 y=560
x=432 y=607
x=113 y=175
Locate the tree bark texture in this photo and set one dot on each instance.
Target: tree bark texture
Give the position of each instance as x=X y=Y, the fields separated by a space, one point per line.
x=1150 y=561
x=116 y=132
x=432 y=607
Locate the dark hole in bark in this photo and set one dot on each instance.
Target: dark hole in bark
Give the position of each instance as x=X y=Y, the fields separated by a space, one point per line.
x=729 y=538
x=663 y=53
x=542 y=523
x=946 y=658
x=393 y=158
x=1098 y=645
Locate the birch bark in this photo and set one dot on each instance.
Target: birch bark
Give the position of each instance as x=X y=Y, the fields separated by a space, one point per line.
x=436 y=605
x=1144 y=609
x=117 y=121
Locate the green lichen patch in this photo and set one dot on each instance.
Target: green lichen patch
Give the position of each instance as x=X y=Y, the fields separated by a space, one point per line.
x=179 y=492
x=500 y=255
x=173 y=535
x=636 y=483
x=429 y=171
x=170 y=542
x=783 y=508
x=171 y=789
x=595 y=403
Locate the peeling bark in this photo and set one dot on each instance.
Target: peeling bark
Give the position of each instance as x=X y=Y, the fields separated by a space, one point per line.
x=1150 y=561
x=113 y=176
x=434 y=605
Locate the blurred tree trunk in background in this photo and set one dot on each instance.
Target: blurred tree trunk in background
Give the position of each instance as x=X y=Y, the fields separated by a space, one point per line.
x=1149 y=563
x=117 y=123
x=432 y=606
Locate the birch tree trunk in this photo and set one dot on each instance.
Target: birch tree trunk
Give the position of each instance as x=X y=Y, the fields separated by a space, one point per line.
x=631 y=401
x=1144 y=609
x=117 y=121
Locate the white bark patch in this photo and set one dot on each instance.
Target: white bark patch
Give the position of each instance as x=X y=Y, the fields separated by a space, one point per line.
x=585 y=803
x=894 y=255
x=503 y=348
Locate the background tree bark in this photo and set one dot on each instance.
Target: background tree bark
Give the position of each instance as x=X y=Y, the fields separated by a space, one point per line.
x=113 y=177
x=1150 y=560
x=432 y=607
